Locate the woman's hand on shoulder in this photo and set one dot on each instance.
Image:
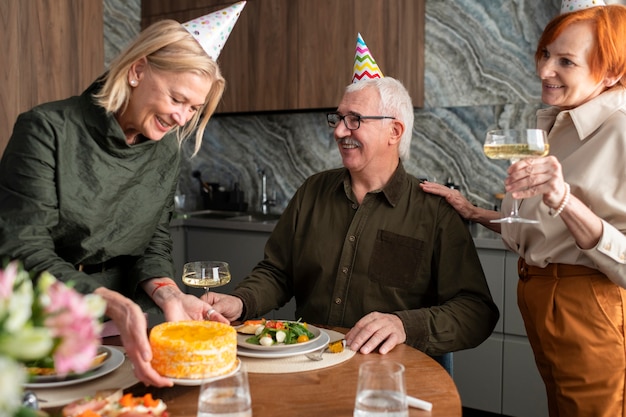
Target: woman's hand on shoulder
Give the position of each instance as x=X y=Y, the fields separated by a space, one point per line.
x=463 y=206
x=452 y=196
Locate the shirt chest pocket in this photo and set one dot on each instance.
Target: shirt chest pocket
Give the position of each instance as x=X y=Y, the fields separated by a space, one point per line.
x=396 y=259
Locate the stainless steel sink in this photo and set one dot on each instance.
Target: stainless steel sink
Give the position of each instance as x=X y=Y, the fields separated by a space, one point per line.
x=238 y=216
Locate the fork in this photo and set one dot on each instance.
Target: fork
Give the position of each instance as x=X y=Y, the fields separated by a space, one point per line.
x=316 y=355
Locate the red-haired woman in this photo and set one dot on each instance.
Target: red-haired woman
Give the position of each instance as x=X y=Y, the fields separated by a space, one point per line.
x=573 y=262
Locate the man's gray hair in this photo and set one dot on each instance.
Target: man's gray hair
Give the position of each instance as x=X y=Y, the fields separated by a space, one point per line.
x=394 y=101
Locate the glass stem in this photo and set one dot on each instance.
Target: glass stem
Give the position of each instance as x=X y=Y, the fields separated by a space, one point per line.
x=515 y=212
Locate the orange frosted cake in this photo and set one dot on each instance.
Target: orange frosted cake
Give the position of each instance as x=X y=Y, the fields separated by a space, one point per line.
x=193 y=349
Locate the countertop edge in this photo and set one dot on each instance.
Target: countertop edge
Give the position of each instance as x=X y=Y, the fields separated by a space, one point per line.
x=483 y=238
x=253 y=226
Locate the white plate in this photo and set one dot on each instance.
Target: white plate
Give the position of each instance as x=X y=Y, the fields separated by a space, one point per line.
x=241 y=341
x=113 y=361
x=196 y=382
x=55 y=378
x=318 y=343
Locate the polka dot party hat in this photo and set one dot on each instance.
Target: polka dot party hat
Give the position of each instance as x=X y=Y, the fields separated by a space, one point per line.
x=573 y=5
x=212 y=30
x=365 y=66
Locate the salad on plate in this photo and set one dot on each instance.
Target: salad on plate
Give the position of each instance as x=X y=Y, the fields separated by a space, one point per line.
x=277 y=332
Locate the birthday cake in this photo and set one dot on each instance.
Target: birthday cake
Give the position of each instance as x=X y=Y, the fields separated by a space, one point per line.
x=193 y=349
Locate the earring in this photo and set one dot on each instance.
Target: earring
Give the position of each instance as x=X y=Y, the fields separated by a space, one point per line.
x=133 y=83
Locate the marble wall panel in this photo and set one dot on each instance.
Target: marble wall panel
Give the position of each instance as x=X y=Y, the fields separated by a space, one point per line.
x=122 y=22
x=479 y=74
x=480 y=52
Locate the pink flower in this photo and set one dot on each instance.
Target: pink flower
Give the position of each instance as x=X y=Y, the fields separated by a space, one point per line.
x=74 y=326
x=7 y=279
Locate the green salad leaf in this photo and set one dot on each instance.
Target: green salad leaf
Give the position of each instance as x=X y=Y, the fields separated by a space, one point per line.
x=291 y=331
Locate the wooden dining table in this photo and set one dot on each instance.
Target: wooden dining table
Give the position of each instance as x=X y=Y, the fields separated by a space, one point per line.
x=327 y=392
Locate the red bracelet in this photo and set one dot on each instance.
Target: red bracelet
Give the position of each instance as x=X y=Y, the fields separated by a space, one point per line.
x=162 y=284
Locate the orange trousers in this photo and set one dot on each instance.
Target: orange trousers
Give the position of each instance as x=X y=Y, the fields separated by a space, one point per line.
x=575 y=317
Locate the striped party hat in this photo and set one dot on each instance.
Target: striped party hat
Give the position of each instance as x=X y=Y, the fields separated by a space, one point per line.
x=212 y=30
x=573 y=5
x=365 y=66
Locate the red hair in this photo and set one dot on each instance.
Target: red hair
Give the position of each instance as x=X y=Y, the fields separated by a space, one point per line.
x=608 y=56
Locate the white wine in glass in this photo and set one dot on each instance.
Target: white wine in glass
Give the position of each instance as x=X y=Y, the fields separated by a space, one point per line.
x=514 y=145
x=206 y=274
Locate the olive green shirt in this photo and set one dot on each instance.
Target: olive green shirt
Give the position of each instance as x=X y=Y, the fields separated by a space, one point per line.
x=401 y=251
x=72 y=191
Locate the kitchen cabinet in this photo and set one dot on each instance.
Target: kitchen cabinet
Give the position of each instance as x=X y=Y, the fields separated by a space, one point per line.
x=299 y=54
x=52 y=49
x=500 y=375
x=524 y=393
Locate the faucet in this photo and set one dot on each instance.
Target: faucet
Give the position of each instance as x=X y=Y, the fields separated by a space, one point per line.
x=265 y=201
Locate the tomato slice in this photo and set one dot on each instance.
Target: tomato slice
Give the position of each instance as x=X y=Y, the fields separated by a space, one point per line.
x=273 y=324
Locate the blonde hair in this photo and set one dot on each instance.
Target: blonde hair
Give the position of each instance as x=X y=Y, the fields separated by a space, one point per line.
x=167 y=46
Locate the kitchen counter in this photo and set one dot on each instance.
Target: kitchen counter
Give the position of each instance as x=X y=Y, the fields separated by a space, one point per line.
x=485 y=238
x=226 y=224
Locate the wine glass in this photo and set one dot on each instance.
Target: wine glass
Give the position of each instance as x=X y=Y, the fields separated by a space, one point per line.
x=514 y=145
x=206 y=274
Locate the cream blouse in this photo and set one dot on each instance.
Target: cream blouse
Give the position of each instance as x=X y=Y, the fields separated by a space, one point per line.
x=590 y=143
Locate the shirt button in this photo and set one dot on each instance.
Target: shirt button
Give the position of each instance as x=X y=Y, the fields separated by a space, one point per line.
x=622 y=256
x=352 y=238
x=337 y=300
x=607 y=246
x=355 y=206
x=344 y=270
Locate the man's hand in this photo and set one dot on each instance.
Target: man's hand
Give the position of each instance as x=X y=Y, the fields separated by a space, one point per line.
x=381 y=330
x=226 y=305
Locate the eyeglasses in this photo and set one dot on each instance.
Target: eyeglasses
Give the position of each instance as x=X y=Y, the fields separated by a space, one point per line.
x=352 y=121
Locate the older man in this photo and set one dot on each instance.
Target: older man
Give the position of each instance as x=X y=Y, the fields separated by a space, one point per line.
x=364 y=247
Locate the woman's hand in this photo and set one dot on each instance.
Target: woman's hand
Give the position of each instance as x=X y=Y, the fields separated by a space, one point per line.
x=465 y=209
x=452 y=196
x=133 y=328
x=178 y=306
x=533 y=176
x=544 y=176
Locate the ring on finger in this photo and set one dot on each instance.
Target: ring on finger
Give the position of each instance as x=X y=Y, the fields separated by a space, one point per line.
x=208 y=315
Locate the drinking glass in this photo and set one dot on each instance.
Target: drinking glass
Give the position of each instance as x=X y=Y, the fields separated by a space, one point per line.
x=227 y=396
x=380 y=390
x=206 y=274
x=514 y=145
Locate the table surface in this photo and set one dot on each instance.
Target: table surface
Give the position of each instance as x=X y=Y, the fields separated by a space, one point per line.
x=330 y=391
